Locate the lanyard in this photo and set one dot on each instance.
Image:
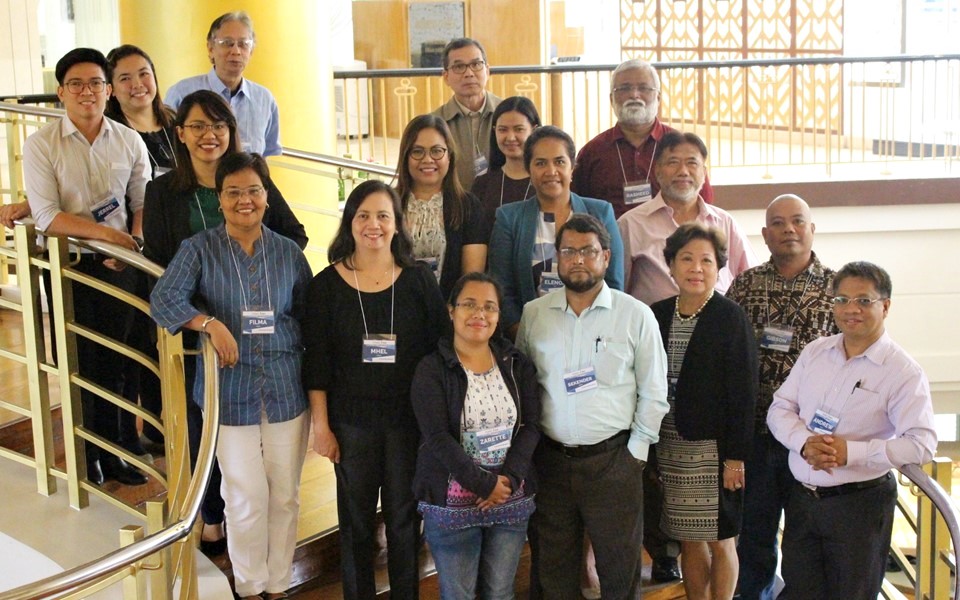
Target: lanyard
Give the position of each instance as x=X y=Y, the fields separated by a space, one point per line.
x=503 y=178
x=173 y=154
x=266 y=271
x=203 y=219
x=649 y=167
x=793 y=319
x=363 y=314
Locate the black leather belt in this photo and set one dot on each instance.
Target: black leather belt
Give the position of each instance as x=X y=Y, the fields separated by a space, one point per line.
x=821 y=492
x=610 y=443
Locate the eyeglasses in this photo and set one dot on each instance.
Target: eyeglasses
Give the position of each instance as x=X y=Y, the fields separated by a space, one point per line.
x=627 y=88
x=461 y=68
x=436 y=152
x=235 y=194
x=218 y=128
x=230 y=43
x=472 y=307
x=75 y=86
x=861 y=302
x=587 y=253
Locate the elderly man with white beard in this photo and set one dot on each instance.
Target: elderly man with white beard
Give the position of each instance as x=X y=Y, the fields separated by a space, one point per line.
x=617 y=165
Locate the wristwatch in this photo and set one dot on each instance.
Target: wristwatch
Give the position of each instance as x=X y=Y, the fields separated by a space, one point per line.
x=207 y=321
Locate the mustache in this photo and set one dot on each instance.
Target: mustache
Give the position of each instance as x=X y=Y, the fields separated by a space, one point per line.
x=632 y=103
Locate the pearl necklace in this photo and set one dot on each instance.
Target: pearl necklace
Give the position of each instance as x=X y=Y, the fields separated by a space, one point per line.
x=683 y=319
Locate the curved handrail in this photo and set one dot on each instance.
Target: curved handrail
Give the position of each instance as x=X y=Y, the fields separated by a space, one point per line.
x=182 y=525
x=943 y=503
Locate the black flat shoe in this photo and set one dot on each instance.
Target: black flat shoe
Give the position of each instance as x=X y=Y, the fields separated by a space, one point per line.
x=665 y=570
x=95 y=473
x=118 y=469
x=213 y=548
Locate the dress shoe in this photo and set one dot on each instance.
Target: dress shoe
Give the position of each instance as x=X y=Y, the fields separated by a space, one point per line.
x=213 y=548
x=94 y=472
x=117 y=468
x=664 y=570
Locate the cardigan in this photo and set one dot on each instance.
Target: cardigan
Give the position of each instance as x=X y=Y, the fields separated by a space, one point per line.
x=166 y=218
x=716 y=390
x=511 y=249
x=439 y=391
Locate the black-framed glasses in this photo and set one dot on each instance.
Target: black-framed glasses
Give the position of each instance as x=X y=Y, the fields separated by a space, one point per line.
x=628 y=88
x=75 y=86
x=472 y=307
x=436 y=152
x=586 y=253
x=861 y=302
x=218 y=128
x=461 y=68
x=235 y=194
x=230 y=43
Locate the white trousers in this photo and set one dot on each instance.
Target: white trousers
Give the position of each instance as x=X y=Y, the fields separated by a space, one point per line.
x=261 y=467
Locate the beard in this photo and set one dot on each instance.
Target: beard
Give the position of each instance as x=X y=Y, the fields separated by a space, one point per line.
x=637 y=112
x=584 y=283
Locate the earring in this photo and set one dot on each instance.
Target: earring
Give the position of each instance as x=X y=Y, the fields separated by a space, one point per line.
x=266 y=205
x=219 y=209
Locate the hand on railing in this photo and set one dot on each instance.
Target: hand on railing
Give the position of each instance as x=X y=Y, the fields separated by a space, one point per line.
x=13 y=212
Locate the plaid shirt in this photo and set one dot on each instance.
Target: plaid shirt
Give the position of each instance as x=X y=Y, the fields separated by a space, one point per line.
x=802 y=303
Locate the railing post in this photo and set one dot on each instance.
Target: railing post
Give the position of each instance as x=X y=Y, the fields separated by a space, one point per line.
x=70 y=405
x=134 y=584
x=161 y=575
x=933 y=537
x=28 y=278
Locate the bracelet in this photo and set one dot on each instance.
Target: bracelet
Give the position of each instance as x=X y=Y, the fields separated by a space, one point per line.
x=726 y=466
x=207 y=321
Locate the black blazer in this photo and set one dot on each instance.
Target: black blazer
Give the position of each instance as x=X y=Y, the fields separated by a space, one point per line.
x=717 y=388
x=166 y=219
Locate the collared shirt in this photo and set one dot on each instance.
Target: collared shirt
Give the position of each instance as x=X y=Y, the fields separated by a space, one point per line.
x=617 y=336
x=645 y=230
x=882 y=400
x=472 y=140
x=609 y=161
x=802 y=304
x=258 y=119
x=214 y=266
x=63 y=172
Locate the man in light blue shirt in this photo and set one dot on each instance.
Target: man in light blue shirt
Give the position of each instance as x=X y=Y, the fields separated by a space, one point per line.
x=603 y=370
x=230 y=43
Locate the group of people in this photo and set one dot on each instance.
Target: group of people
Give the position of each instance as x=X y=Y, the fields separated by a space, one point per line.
x=581 y=350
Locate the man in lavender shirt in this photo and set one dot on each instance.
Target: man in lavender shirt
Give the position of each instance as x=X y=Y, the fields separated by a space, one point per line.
x=854 y=406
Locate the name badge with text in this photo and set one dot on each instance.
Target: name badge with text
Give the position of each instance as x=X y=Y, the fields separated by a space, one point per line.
x=823 y=423
x=548 y=283
x=102 y=211
x=495 y=438
x=380 y=348
x=580 y=380
x=777 y=337
x=257 y=322
x=480 y=165
x=637 y=192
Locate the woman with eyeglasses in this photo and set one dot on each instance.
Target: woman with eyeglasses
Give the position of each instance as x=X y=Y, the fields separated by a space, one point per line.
x=445 y=223
x=371 y=316
x=507 y=180
x=251 y=284
x=184 y=202
x=707 y=434
x=522 y=251
x=477 y=403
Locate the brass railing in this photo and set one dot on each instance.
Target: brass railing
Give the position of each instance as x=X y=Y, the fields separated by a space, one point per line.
x=166 y=520
x=769 y=114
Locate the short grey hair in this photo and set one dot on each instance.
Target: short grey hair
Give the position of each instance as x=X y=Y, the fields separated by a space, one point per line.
x=237 y=15
x=635 y=64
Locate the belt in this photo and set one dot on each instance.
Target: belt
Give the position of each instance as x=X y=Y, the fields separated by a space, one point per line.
x=821 y=492
x=610 y=443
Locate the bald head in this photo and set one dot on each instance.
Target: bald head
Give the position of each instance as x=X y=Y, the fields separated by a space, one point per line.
x=789 y=230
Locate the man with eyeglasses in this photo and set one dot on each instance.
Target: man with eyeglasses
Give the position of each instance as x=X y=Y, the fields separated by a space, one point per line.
x=85 y=177
x=469 y=114
x=854 y=407
x=602 y=370
x=230 y=44
x=617 y=165
x=788 y=301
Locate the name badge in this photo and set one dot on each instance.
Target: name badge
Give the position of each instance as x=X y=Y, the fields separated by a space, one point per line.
x=823 y=423
x=480 y=165
x=495 y=438
x=580 y=380
x=777 y=337
x=380 y=348
x=102 y=211
x=637 y=192
x=548 y=283
x=257 y=322
x=161 y=171
x=672 y=387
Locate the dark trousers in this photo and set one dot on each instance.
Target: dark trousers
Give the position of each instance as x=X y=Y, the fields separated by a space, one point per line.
x=211 y=507
x=836 y=548
x=140 y=385
x=377 y=461
x=111 y=317
x=658 y=544
x=769 y=483
x=603 y=494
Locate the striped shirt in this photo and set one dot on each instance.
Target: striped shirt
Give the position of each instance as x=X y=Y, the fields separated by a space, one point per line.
x=267 y=376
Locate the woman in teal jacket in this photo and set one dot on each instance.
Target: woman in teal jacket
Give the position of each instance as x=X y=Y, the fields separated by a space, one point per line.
x=522 y=255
